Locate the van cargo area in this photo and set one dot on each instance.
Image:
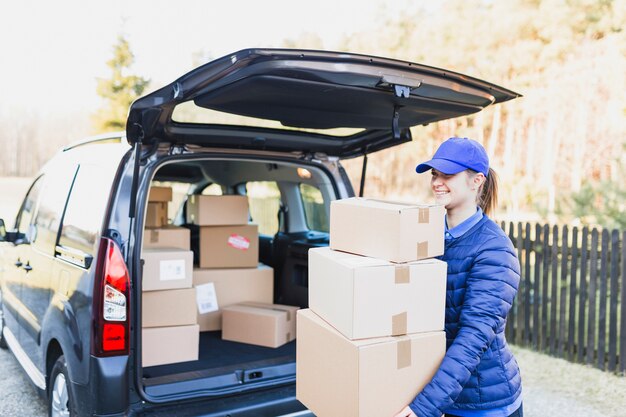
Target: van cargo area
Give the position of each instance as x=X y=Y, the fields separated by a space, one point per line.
x=230 y=214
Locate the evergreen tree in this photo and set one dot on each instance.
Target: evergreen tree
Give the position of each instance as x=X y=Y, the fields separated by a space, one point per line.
x=120 y=90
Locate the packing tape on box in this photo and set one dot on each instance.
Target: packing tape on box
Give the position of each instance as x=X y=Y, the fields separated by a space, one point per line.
x=402 y=274
x=424 y=215
x=403 y=352
x=398 y=324
x=154 y=236
x=422 y=250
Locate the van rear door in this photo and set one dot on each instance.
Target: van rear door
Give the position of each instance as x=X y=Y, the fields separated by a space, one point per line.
x=308 y=95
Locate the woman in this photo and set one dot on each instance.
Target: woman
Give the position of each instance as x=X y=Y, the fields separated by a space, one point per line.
x=478 y=375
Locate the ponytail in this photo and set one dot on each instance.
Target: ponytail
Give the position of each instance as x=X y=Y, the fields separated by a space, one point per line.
x=488 y=193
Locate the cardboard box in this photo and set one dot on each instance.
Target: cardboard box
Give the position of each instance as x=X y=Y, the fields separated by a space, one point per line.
x=164 y=345
x=160 y=194
x=270 y=325
x=396 y=232
x=363 y=378
x=217 y=210
x=367 y=297
x=166 y=269
x=229 y=246
x=219 y=288
x=167 y=237
x=156 y=215
x=169 y=308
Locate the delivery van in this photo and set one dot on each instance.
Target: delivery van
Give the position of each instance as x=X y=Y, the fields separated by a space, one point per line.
x=128 y=247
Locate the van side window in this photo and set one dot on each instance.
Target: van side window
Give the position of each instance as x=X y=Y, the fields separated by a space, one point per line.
x=264 y=201
x=314 y=208
x=28 y=207
x=51 y=206
x=84 y=214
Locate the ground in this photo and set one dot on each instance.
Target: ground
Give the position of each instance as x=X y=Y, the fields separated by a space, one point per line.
x=552 y=387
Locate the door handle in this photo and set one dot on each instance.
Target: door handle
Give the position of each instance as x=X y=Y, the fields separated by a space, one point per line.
x=27 y=267
x=18 y=263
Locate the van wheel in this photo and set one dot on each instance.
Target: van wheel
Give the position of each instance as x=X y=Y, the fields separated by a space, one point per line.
x=3 y=341
x=60 y=400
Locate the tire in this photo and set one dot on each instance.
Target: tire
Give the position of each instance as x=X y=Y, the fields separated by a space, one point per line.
x=60 y=398
x=3 y=341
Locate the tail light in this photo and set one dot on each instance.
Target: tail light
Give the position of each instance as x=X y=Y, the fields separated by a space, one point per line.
x=111 y=302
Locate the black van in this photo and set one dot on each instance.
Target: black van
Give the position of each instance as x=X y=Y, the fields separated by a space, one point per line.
x=271 y=124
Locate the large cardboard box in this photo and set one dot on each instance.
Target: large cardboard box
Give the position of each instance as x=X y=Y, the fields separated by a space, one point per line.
x=169 y=308
x=167 y=237
x=363 y=378
x=219 y=288
x=164 y=345
x=269 y=325
x=166 y=269
x=366 y=297
x=156 y=215
x=160 y=194
x=229 y=246
x=396 y=232
x=217 y=210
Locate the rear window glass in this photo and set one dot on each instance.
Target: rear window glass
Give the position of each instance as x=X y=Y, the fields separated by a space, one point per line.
x=85 y=208
x=264 y=201
x=188 y=112
x=314 y=208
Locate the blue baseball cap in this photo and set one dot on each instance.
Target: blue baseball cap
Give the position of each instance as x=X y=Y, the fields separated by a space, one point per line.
x=456 y=155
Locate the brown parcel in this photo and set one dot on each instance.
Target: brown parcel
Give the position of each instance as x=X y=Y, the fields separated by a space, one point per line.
x=234 y=286
x=167 y=237
x=166 y=269
x=396 y=232
x=229 y=246
x=156 y=215
x=364 y=378
x=270 y=325
x=366 y=297
x=160 y=194
x=169 y=308
x=217 y=210
x=163 y=345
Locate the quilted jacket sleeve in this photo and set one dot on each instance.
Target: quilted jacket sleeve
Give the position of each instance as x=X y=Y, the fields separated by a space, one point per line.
x=491 y=285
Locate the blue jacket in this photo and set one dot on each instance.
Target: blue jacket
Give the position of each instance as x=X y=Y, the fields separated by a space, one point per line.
x=478 y=371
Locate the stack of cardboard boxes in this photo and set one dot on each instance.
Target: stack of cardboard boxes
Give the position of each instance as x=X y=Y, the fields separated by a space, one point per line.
x=235 y=292
x=373 y=336
x=168 y=299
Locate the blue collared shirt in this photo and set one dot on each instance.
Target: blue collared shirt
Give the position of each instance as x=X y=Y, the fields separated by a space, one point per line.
x=460 y=229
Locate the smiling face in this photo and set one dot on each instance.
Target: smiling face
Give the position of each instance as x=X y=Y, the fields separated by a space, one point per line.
x=457 y=191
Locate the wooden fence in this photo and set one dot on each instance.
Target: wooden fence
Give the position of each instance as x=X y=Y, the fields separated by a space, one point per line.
x=571 y=301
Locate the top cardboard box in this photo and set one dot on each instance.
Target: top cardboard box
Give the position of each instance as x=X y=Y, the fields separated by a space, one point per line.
x=396 y=232
x=217 y=210
x=160 y=195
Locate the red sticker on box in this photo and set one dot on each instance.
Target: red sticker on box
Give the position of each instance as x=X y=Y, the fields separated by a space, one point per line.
x=239 y=242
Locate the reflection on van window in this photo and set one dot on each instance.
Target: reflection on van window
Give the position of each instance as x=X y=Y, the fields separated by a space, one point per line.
x=264 y=201
x=314 y=208
x=51 y=205
x=28 y=206
x=85 y=208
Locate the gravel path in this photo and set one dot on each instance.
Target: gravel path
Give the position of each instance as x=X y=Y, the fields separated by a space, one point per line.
x=18 y=398
x=555 y=387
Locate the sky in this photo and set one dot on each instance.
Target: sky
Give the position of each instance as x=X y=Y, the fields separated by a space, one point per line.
x=51 y=53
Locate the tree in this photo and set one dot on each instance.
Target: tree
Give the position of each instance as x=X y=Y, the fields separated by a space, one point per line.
x=120 y=90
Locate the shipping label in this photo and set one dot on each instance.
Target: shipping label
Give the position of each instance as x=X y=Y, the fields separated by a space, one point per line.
x=206 y=298
x=172 y=270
